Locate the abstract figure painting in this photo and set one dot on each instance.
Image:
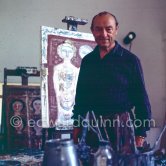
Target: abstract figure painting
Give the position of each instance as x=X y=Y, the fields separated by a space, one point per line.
x=64 y=80
x=62 y=52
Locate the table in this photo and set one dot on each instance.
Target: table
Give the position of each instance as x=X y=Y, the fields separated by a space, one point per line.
x=26 y=157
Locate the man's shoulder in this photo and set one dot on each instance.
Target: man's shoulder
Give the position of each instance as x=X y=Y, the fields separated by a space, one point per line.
x=127 y=54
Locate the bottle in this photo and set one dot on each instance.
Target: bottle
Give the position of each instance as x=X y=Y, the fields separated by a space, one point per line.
x=104 y=155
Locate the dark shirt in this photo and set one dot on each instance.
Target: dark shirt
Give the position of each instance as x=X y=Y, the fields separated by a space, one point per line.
x=112 y=84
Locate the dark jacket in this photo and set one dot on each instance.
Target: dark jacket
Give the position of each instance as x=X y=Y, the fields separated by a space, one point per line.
x=111 y=85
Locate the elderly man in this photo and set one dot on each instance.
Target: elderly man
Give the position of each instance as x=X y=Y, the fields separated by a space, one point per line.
x=111 y=84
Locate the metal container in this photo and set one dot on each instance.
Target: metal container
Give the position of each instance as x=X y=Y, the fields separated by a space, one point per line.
x=68 y=153
x=60 y=153
x=103 y=156
x=52 y=154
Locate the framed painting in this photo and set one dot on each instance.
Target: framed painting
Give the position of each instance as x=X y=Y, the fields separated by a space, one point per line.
x=22 y=106
x=62 y=53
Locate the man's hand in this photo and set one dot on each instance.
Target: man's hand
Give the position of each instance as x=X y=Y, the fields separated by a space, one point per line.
x=139 y=141
x=76 y=133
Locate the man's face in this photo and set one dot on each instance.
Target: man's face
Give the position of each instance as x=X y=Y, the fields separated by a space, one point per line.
x=104 y=31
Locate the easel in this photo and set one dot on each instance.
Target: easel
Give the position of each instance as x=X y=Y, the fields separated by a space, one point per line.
x=24 y=73
x=73 y=22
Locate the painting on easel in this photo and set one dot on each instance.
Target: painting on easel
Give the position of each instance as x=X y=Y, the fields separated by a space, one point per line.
x=62 y=52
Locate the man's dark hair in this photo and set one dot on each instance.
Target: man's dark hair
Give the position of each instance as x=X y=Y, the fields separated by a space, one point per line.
x=102 y=14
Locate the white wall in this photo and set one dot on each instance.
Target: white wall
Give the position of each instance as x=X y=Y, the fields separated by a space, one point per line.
x=20 y=22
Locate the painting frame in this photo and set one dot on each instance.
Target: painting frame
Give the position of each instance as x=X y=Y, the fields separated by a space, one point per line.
x=58 y=88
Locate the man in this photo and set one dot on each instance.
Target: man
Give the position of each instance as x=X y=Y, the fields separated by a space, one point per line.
x=110 y=81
